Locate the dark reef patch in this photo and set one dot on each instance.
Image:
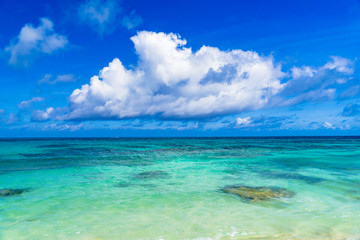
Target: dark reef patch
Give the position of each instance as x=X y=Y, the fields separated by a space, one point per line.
x=7 y=192
x=123 y=185
x=56 y=146
x=38 y=155
x=152 y=175
x=293 y=176
x=63 y=157
x=258 y=193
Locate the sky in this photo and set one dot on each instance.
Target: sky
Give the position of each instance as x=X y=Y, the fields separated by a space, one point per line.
x=131 y=68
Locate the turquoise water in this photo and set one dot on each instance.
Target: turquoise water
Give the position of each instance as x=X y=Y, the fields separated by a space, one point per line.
x=171 y=188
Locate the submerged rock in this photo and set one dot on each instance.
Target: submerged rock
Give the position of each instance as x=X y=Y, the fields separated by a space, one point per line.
x=258 y=193
x=152 y=174
x=11 y=192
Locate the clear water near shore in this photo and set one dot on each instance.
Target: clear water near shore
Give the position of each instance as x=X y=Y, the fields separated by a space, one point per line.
x=171 y=188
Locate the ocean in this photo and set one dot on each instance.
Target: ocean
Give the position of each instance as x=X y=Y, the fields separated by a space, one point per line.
x=180 y=188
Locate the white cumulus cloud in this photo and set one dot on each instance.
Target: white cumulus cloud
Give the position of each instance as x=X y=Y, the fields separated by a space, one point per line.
x=172 y=81
x=31 y=40
x=243 y=122
x=40 y=116
x=342 y=65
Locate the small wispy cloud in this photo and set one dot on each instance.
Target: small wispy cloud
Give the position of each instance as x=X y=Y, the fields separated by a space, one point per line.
x=50 y=127
x=351 y=110
x=49 y=79
x=28 y=103
x=315 y=125
x=328 y=125
x=262 y=122
x=102 y=16
x=351 y=92
x=34 y=40
x=12 y=119
x=62 y=127
x=99 y=14
x=132 y=20
x=316 y=84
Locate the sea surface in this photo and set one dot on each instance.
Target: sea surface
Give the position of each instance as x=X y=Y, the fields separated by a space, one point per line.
x=173 y=188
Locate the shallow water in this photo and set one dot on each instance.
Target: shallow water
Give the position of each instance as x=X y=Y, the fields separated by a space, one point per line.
x=171 y=188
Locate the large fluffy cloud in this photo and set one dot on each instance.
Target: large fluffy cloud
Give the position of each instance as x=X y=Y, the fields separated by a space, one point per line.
x=41 y=39
x=172 y=81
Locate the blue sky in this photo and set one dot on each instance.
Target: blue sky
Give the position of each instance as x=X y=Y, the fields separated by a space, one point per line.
x=162 y=68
